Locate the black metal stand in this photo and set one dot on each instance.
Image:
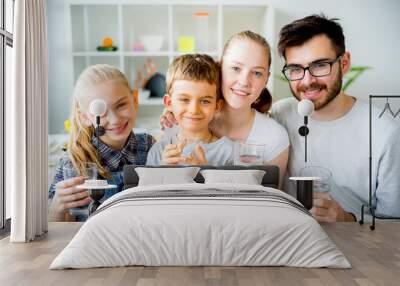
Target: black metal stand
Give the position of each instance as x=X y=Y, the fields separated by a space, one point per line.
x=96 y=196
x=99 y=131
x=370 y=206
x=303 y=131
x=304 y=193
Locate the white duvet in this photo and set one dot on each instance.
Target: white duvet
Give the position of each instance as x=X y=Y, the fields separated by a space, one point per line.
x=225 y=225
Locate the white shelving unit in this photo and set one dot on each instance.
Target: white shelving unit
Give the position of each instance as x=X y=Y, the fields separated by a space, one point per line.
x=126 y=20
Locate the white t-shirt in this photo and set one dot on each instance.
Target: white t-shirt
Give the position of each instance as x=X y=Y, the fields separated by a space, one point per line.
x=267 y=131
x=342 y=146
x=218 y=153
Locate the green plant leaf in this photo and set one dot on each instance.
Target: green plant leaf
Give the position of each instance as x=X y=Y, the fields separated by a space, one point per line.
x=352 y=75
x=280 y=77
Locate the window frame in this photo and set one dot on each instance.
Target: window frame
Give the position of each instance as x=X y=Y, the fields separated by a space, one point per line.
x=6 y=39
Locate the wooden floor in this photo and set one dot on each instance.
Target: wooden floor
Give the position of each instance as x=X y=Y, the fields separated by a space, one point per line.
x=374 y=255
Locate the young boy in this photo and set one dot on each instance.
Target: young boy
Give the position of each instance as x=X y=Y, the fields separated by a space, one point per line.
x=193 y=96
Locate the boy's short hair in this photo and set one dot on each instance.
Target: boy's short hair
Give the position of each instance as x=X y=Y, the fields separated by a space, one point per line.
x=194 y=67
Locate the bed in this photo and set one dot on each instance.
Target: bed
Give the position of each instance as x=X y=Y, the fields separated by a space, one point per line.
x=222 y=217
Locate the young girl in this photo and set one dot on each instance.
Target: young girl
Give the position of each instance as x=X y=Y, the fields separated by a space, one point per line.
x=117 y=147
x=245 y=64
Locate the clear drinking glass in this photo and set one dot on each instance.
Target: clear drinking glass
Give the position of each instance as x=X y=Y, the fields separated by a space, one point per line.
x=248 y=153
x=90 y=174
x=324 y=183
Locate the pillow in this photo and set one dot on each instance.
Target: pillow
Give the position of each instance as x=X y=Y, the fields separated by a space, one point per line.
x=270 y=179
x=249 y=177
x=166 y=176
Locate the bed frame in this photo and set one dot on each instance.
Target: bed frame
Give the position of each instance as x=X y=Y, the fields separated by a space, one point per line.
x=131 y=178
x=270 y=179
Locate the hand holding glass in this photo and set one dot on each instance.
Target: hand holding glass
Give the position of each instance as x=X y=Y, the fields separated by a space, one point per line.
x=90 y=173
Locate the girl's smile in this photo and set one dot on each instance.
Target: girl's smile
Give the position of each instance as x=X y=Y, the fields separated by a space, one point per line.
x=119 y=129
x=240 y=92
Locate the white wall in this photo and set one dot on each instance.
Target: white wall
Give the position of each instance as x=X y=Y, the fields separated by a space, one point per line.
x=60 y=68
x=371 y=28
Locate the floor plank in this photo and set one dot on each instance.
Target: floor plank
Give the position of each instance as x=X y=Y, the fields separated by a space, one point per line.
x=374 y=255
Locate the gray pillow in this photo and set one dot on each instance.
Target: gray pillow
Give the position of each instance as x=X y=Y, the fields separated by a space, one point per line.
x=249 y=177
x=166 y=176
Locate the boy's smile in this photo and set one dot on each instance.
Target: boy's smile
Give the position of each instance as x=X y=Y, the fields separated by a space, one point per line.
x=193 y=104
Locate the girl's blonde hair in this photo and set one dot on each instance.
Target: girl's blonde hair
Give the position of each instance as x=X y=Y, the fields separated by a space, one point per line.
x=80 y=147
x=264 y=101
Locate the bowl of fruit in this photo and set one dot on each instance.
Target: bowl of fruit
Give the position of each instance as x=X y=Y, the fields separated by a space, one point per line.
x=107 y=46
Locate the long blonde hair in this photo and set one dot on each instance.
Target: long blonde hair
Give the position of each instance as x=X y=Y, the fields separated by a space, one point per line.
x=80 y=146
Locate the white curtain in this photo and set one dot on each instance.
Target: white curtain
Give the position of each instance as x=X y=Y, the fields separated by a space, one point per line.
x=26 y=120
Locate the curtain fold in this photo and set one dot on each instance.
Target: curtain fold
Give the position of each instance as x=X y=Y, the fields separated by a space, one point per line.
x=27 y=123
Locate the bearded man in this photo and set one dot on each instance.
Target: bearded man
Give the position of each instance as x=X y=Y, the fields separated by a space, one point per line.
x=315 y=62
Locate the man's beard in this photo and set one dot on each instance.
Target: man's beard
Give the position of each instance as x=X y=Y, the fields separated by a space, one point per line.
x=332 y=92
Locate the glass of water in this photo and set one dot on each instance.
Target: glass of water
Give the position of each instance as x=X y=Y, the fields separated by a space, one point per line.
x=90 y=173
x=324 y=183
x=248 y=153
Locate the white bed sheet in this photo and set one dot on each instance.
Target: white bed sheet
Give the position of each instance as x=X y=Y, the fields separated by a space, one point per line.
x=200 y=231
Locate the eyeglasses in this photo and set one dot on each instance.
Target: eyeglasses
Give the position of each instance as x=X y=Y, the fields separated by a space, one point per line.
x=316 y=69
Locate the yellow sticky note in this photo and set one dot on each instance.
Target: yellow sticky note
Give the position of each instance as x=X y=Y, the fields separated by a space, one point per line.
x=186 y=44
x=67 y=125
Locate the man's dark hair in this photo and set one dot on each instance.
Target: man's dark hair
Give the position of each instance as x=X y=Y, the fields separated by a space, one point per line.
x=302 y=30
